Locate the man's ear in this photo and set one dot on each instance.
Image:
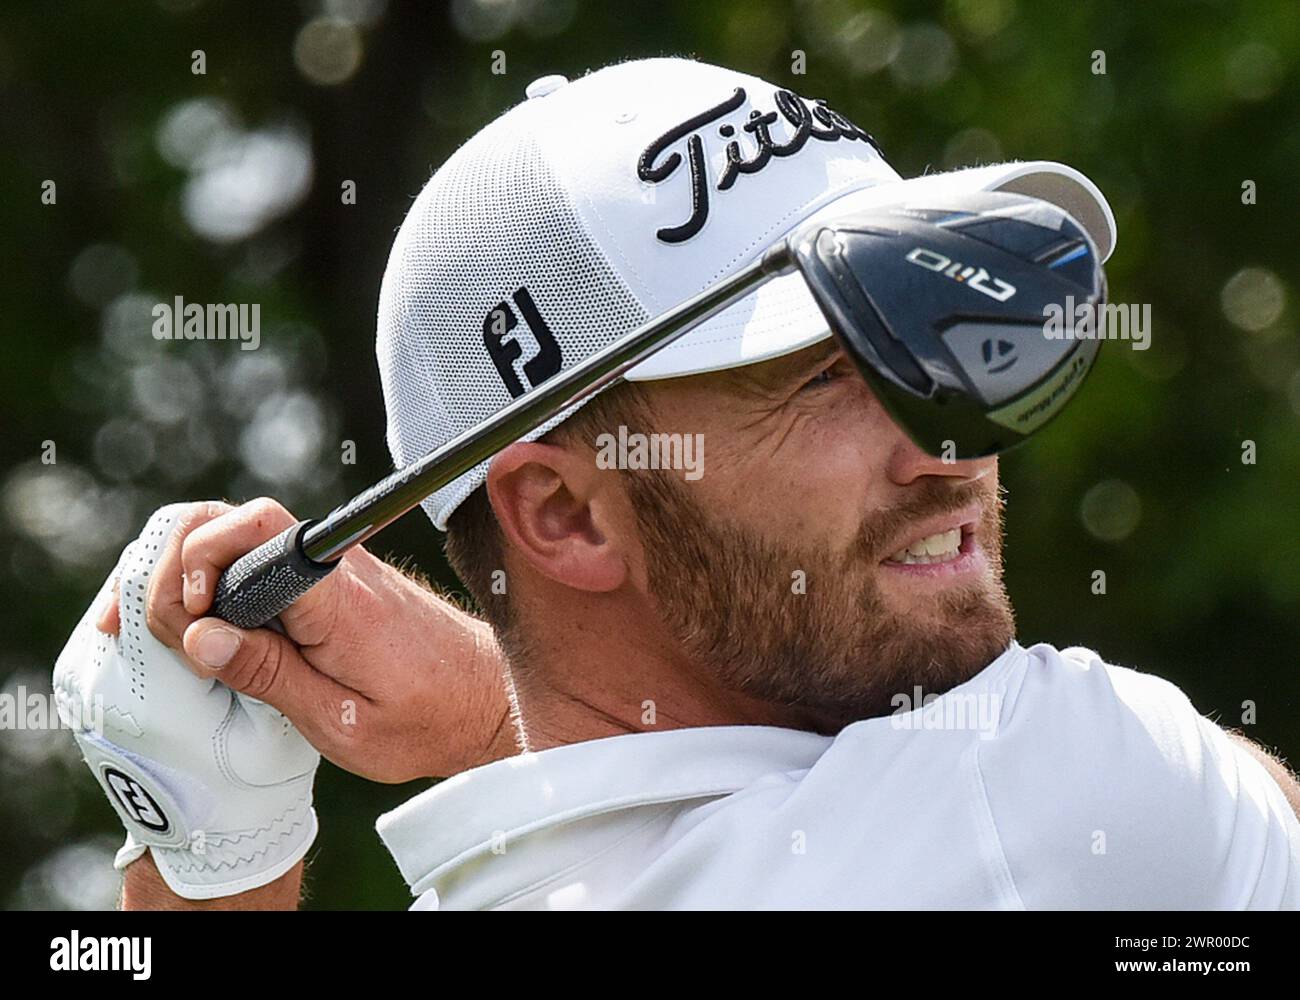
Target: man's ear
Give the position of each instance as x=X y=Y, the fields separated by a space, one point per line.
x=558 y=511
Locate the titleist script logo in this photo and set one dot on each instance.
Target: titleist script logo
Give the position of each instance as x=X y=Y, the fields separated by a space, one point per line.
x=815 y=122
x=499 y=322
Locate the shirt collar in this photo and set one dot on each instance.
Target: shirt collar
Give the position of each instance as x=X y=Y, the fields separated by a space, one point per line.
x=460 y=818
x=457 y=819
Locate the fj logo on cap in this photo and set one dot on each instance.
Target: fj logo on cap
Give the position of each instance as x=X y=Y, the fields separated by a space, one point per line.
x=816 y=122
x=499 y=322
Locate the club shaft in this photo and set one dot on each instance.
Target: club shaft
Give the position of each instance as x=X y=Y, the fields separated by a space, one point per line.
x=390 y=498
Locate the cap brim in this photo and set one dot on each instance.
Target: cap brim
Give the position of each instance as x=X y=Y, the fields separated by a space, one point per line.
x=781 y=316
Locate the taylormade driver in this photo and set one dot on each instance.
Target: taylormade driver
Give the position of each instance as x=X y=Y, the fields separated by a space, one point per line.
x=941 y=307
x=945 y=312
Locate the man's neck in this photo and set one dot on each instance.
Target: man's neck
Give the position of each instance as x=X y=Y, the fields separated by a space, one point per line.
x=587 y=684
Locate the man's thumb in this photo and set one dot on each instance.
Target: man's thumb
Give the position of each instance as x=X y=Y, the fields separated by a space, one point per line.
x=266 y=665
x=259 y=662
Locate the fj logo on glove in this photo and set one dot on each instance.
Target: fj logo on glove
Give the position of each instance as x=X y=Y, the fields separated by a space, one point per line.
x=500 y=322
x=803 y=122
x=137 y=802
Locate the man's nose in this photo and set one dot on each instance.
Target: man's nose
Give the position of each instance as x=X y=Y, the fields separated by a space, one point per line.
x=908 y=463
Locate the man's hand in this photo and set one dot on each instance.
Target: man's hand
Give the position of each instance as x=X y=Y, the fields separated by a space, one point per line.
x=381 y=676
x=216 y=785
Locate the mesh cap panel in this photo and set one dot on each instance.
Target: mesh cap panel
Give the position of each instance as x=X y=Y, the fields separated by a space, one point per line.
x=493 y=220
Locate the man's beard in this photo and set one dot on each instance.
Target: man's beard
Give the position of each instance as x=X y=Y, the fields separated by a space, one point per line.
x=729 y=597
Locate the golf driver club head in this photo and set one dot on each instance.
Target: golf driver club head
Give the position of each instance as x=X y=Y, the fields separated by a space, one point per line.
x=944 y=309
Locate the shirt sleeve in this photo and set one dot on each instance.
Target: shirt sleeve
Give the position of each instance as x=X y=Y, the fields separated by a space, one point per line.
x=1108 y=790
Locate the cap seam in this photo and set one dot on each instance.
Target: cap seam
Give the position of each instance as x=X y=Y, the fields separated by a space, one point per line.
x=653 y=307
x=765 y=239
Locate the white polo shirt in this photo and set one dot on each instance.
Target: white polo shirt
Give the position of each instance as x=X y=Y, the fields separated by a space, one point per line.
x=1049 y=780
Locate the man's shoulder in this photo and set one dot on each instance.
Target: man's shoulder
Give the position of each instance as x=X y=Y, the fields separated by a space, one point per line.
x=1077 y=686
x=1107 y=787
x=1081 y=736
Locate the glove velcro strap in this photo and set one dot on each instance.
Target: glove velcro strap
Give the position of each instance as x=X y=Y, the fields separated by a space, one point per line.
x=145 y=805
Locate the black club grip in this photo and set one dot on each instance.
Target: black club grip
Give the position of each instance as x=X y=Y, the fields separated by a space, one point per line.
x=261 y=584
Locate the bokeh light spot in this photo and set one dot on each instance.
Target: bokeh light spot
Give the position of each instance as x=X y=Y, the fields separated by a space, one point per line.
x=1111 y=510
x=327 y=50
x=1253 y=299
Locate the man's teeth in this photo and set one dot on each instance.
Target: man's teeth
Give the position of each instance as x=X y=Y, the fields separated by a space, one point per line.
x=942 y=547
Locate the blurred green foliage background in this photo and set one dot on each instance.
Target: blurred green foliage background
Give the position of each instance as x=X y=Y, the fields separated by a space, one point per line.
x=225 y=187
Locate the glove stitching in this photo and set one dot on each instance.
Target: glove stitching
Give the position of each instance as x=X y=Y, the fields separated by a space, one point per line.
x=178 y=856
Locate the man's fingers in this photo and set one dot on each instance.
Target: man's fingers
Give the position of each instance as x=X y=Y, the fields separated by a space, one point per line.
x=110 y=619
x=165 y=609
x=265 y=665
x=210 y=548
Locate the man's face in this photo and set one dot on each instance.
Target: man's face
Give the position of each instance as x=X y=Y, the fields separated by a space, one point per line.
x=821 y=560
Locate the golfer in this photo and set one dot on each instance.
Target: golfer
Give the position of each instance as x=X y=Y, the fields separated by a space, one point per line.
x=743 y=644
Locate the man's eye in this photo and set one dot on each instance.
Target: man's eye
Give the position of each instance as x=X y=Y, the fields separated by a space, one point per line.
x=823 y=377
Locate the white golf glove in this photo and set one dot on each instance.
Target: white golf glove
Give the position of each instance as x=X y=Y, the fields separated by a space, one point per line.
x=216 y=784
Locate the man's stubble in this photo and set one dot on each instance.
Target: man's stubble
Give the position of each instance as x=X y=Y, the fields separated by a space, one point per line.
x=834 y=647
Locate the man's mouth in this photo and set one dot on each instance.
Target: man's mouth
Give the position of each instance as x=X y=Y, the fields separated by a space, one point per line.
x=946 y=538
x=942 y=547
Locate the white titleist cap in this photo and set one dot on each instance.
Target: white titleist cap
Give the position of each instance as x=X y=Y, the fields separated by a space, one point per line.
x=594 y=205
